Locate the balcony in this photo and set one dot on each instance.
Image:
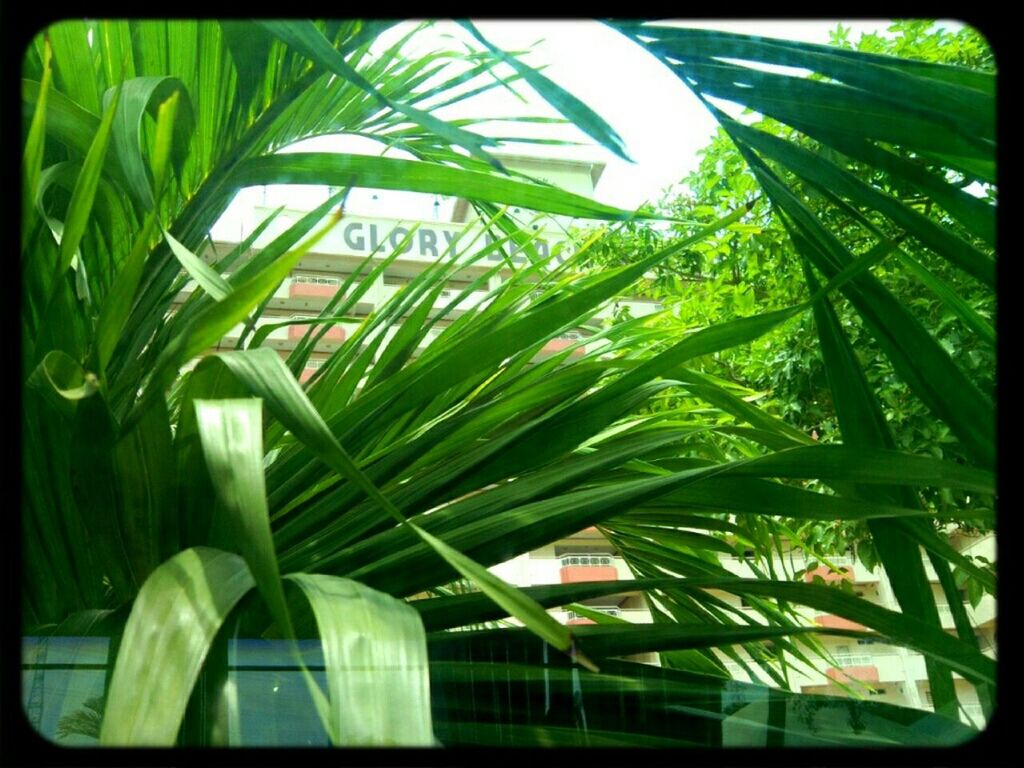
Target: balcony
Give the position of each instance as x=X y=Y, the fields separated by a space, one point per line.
x=312 y=290
x=829 y=576
x=631 y=615
x=866 y=673
x=576 y=568
x=557 y=345
x=983 y=614
x=335 y=334
x=832 y=621
x=575 y=573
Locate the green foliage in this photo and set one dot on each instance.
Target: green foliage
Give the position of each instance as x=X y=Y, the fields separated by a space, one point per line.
x=751 y=266
x=175 y=506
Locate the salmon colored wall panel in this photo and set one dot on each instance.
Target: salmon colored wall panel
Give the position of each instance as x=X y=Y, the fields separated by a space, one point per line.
x=557 y=345
x=296 y=332
x=574 y=573
x=311 y=290
x=866 y=673
x=838 y=622
x=829 y=576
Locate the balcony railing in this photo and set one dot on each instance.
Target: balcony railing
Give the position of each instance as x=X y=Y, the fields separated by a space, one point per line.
x=842 y=560
x=335 y=333
x=568 y=560
x=854 y=660
x=308 y=286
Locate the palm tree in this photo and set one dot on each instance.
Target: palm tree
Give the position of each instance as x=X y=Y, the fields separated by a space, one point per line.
x=162 y=507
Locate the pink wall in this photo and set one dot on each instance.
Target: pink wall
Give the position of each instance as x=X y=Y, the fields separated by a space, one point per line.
x=573 y=573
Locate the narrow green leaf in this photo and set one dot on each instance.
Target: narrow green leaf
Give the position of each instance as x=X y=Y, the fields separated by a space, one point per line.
x=921 y=84
x=305 y=38
x=163 y=144
x=230 y=433
x=624 y=638
x=857 y=113
x=950 y=298
x=32 y=160
x=863 y=424
x=728 y=43
x=582 y=116
x=66 y=120
x=85 y=189
x=901 y=628
x=820 y=171
x=62 y=380
x=266 y=375
x=705 y=388
x=915 y=355
x=118 y=303
x=513 y=600
x=251 y=55
x=75 y=61
x=375 y=652
x=207 y=277
x=144 y=462
x=138 y=96
x=937 y=545
x=174 y=619
x=209 y=326
x=94 y=483
x=754 y=496
x=388 y=173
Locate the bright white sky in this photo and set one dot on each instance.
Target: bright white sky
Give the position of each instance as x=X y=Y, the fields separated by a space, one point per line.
x=661 y=122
